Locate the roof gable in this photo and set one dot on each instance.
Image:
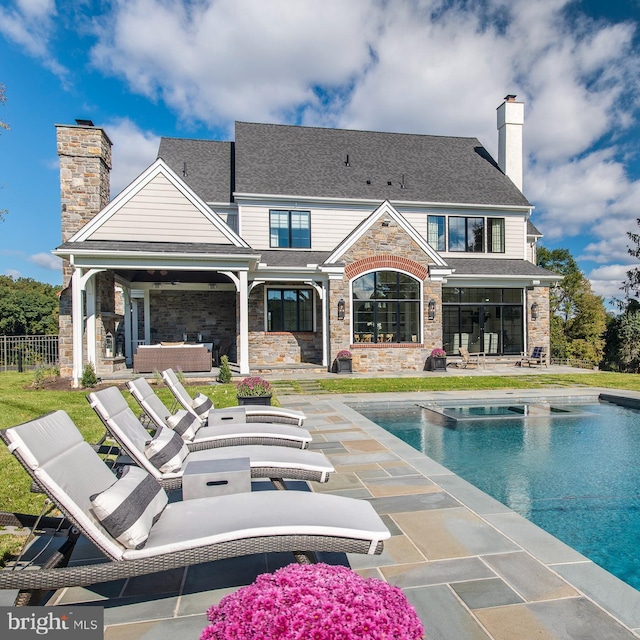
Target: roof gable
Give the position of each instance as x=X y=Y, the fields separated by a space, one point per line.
x=386 y=211
x=158 y=207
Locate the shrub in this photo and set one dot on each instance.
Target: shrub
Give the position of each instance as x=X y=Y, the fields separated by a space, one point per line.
x=89 y=378
x=438 y=353
x=225 y=370
x=317 y=601
x=343 y=355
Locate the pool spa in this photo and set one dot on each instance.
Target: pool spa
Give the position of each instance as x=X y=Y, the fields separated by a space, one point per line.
x=571 y=468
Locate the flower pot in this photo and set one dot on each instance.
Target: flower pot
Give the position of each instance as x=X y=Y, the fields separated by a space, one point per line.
x=344 y=366
x=437 y=363
x=259 y=400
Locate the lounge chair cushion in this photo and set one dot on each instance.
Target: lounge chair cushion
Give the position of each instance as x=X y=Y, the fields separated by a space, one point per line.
x=130 y=507
x=166 y=451
x=184 y=424
x=201 y=405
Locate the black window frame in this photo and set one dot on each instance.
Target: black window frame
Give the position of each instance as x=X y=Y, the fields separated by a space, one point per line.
x=281 y=329
x=289 y=213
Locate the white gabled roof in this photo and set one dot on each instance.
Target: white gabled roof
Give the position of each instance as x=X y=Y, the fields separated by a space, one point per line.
x=158 y=206
x=385 y=210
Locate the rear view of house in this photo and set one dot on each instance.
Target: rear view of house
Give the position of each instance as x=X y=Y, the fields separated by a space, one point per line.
x=289 y=244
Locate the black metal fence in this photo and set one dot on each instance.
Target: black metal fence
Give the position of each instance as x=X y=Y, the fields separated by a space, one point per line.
x=18 y=353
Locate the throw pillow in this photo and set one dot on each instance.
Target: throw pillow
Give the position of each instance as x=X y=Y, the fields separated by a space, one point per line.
x=202 y=405
x=184 y=424
x=166 y=451
x=129 y=507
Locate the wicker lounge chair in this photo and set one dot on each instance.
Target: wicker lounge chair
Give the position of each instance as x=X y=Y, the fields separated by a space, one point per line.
x=260 y=413
x=109 y=404
x=182 y=533
x=271 y=462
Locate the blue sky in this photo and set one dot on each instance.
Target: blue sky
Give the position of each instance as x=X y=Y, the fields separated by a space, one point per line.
x=150 y=68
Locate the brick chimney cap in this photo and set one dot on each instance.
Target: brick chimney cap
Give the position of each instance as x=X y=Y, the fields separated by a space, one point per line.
x=510 y=97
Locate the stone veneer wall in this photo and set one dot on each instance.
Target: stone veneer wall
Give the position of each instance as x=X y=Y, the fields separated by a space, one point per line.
x=386 y=246
x=85 y=163
x=211 y=313
x=538 y=330
x=281 y=347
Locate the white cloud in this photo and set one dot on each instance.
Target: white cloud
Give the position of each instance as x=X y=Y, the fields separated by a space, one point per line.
x=12 y=273
x=423 y=66
x=31 y=24
x=606 y=281
x=47 y=261
x=133 y=151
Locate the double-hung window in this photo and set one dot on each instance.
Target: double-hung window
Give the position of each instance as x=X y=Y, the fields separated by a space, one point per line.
x=436 y=232
x=289 y=310
x=495 y=235
x=290 y=229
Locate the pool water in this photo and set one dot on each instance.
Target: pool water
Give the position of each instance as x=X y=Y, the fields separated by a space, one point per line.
x=574 y=472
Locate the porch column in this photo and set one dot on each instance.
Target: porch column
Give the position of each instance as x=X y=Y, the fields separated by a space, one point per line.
x=325 y=323
x=91 y=322
x=243 y=294
x=147 y=317
x=77 y=328
x=126 y=294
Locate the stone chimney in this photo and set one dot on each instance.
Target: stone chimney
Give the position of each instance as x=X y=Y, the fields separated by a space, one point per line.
x=85 y=165
x=510 y=121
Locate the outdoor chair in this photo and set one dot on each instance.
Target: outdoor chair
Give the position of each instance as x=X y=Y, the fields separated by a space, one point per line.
x=538 y=356
x=153 y=535
x=275 y=463
x=110 y=404
x=469 y=359
x=201 y=406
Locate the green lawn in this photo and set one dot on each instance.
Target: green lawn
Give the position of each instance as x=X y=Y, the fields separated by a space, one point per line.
x=20 y=402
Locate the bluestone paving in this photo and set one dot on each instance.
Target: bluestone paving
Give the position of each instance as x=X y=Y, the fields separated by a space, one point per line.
x=473 y=569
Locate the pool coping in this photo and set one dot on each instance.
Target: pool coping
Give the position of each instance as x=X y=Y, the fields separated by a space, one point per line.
x=615 y=597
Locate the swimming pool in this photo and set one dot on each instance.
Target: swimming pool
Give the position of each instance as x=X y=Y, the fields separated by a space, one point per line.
x=572 y=469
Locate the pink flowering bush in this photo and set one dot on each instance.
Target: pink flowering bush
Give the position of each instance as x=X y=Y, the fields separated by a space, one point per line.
x=343 y=355
x=314 y=602
x=438 y=353
x=253 y=386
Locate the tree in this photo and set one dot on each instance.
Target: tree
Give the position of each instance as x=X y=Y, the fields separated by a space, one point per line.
x=631 y=285
x=578 y=316
x=28 y=307
x=3 y=125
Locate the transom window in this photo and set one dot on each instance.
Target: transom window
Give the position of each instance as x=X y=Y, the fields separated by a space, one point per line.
x=290 y=229
x=386 y=308
x=466 y=234
x=289 y=310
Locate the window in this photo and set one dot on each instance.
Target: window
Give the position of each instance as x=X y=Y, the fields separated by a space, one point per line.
x=466 y=234
x=386 y=308
x=495 y=235
x=289 y=310
x=290 y=229
x=436 y=233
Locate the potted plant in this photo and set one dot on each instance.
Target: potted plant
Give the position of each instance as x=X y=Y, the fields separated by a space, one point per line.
x=314 y=601
x=438 y=360
x=253 y=390
x=343 y=362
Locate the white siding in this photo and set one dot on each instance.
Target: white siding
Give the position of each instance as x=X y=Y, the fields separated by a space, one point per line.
x=330 y=226
x=159 y=213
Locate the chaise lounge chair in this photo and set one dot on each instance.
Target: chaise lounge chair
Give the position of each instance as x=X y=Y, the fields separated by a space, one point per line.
x=109 y=403
x=271 y=462
x=202 y=406
x=179 y=534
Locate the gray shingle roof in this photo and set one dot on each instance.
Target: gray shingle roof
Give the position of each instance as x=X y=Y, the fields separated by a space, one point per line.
x=293 y=258
x=532 y=230
x=310 y=161
x=206 y=163
x=157 y=247
x=484 y=266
